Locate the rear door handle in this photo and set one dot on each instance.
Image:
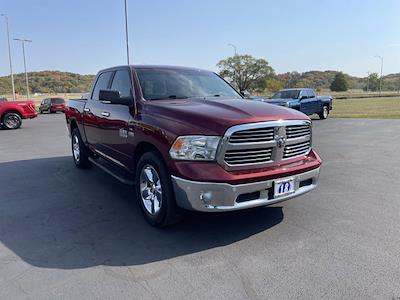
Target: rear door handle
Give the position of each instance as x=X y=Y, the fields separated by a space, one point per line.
x=86 y=109
x=105 y=114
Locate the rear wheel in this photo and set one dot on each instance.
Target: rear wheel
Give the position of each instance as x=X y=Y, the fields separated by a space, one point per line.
x=154 y=191
x=80 y=152
x=324 y=113
x=12 y=121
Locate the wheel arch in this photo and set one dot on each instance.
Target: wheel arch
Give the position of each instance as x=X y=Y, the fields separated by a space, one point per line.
x=11 y=111
x=142 y=148
x=72 y=125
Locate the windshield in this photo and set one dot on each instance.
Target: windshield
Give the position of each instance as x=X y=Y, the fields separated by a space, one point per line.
x=291 y=94
x=163 y=83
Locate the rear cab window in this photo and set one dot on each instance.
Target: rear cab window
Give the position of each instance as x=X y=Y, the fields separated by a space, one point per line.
x=57 y=101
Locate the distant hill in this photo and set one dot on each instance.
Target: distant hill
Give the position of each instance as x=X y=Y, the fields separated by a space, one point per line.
x=323 y=79
x=65 y=82
x=48 y=82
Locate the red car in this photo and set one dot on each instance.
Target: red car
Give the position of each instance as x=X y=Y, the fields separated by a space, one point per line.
x=12 y=113
x=52 y=105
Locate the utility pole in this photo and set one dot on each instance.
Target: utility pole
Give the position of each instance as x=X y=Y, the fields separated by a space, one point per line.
x=126 y=31
x=23 y=41
x=9 y=55
x=234 y=48
x=380 y=81
x=368 y=73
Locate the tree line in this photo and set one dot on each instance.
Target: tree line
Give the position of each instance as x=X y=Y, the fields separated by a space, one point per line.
x=244 y=72
x=47 y=82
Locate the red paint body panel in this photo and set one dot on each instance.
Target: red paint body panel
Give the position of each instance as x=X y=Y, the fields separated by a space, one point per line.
x=213 y=172
x=26 y=109
x=57 y=107
x=160 y=122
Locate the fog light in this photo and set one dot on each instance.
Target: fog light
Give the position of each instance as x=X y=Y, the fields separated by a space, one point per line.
x=205 y=197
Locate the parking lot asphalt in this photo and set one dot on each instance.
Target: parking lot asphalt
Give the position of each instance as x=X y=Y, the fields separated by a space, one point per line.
x=78 y=234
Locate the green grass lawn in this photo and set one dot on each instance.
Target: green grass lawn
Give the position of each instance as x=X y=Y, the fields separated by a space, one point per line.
x=379 y=108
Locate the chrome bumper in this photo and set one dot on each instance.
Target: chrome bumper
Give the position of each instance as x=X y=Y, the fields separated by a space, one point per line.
x=211 y=196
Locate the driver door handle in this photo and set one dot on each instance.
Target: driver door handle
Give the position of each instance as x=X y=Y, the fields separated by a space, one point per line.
x=105 y=114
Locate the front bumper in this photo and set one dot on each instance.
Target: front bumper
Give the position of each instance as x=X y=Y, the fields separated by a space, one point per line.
x=211 y=196
x=29 y=115
x=56 y=109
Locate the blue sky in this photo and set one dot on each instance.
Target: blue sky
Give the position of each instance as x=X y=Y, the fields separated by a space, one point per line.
x=86 y=35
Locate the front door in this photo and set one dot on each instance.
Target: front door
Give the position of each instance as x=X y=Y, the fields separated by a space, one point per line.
x=114 y=121
x=306 y=103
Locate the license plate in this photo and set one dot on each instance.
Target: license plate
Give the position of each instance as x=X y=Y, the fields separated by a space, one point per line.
x=284 y=187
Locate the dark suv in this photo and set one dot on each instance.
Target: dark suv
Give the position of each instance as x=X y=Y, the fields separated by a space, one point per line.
x=52 y=105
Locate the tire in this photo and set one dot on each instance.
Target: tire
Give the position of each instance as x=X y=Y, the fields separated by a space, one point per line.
x=161 y=210
x=80 y=153
x=12 y=121
x=324 y=113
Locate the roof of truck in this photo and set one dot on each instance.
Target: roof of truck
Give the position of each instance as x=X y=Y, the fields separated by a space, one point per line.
x=154 y=67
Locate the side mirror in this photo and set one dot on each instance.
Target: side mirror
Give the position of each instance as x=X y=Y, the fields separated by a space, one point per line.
x=303 y=97
x=113 y=97
x=245 y=94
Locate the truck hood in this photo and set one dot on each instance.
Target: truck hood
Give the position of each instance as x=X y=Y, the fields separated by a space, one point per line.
x=215 y=116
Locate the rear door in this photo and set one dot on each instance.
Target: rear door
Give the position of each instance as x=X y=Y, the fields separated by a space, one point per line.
x=93 y=108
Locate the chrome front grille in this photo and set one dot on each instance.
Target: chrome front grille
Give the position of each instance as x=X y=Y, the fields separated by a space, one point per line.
x=238 y=157
x=257 y=145
x=296 y=131
x=296 y=149
x=252 y=136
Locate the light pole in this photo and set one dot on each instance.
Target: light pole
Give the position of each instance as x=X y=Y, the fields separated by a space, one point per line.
x=23 y=41
x=9 y=55
x=126 y=31
x=368 y=81
x=380 y=81
x=234 y=48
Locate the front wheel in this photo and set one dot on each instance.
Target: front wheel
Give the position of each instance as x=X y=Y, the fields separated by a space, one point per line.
x=80 y=152
x=12 y=121
x=154 y=191
x=324 y=113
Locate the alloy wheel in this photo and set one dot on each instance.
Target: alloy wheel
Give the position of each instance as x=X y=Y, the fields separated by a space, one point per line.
x=150 y=190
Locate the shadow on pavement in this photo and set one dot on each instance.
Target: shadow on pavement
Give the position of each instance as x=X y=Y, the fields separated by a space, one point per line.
x=53 y=215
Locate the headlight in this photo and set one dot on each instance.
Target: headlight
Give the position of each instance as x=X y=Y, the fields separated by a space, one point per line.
x=195 y=147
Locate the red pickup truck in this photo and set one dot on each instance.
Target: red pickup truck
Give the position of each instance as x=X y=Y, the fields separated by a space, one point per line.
x=188 y=140
x=12 y=113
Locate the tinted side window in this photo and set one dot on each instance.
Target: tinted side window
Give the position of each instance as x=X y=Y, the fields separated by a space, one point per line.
x=122 y=83
x=101 y=84
x=311 y=94
x=303 y=93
